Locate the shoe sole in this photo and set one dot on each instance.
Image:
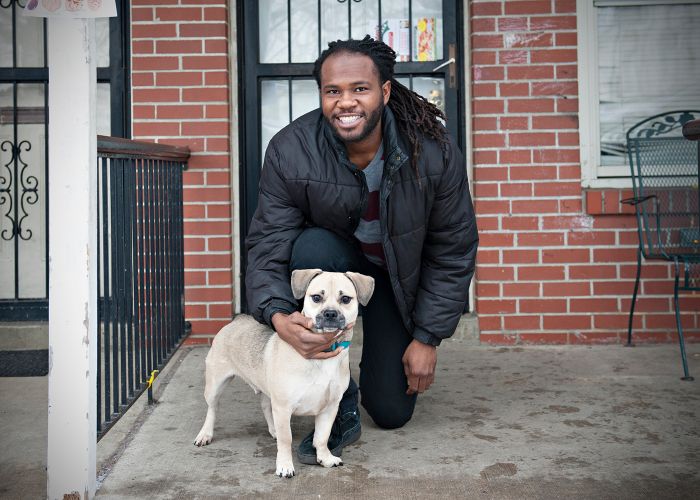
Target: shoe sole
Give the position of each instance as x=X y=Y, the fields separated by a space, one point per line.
x=337 y=451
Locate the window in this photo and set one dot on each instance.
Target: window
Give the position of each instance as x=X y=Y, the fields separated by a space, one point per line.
x=637 y=58
x=289 y=34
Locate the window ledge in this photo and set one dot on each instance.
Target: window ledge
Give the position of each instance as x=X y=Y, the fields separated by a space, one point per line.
x=607 y=183
x=607 y=201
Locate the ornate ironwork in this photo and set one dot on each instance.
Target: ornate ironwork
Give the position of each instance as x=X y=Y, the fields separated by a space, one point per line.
x=6 y=188
x=663 y=127
x=27 y=190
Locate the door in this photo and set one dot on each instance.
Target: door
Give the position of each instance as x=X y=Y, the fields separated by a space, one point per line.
x=24 y=78
x=282 y=39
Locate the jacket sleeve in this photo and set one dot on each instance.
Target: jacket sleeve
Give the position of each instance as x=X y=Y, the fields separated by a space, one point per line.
x=449 y=255
x=276 y=224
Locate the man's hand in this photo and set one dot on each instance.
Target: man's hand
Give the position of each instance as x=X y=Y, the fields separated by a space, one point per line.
x=295 y=330
x=419 y=362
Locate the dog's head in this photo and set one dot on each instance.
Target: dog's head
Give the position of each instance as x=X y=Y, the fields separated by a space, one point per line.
x=331 y=299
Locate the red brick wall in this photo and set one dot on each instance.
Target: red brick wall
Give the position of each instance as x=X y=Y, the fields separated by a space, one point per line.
x=180 y=82
x=556 y=264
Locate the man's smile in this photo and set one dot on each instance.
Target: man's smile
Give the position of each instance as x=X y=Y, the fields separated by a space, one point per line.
x=349 y=120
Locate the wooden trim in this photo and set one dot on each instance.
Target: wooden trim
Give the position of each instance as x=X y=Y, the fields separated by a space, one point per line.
x=116 y=147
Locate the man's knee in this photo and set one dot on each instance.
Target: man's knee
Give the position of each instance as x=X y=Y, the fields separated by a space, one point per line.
x=319 y=248
x=390 y=416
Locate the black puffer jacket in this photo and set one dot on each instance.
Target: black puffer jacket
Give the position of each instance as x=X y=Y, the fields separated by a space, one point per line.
x=428 y=228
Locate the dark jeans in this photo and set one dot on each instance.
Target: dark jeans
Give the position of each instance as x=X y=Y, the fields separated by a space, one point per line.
x=382 y=379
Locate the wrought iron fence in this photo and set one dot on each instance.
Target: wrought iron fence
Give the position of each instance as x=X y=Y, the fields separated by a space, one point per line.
x=141 y=319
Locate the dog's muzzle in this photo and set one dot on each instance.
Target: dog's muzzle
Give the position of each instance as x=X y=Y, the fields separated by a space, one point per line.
x=330 y=320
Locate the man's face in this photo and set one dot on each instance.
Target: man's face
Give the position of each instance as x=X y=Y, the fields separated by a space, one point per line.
x=352 y=96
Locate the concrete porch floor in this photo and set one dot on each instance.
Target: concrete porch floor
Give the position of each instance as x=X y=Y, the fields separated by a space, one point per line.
x=500 y=422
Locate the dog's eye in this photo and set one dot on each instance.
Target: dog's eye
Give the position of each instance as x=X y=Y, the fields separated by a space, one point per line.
x=316 y=298
x=345 y=299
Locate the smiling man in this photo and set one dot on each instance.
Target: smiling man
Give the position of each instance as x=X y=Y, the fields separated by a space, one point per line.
x=373 y=183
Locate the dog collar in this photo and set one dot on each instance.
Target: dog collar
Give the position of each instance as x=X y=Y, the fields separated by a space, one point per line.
x=345 y=344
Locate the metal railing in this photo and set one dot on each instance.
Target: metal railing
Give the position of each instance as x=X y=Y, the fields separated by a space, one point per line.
x=141 y=313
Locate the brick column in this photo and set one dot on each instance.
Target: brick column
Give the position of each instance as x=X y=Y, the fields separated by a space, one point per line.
x=180 y=81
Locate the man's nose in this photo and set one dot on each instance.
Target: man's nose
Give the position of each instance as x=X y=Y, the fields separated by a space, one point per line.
x=347 y=100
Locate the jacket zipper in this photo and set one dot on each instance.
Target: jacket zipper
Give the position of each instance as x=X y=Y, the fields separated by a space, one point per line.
x=364 y=194
x=385 y=190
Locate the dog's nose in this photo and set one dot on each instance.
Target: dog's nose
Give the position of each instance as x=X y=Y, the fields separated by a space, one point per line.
x=330 y=314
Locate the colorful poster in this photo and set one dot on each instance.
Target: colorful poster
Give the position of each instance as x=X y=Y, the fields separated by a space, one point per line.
x=394 y=33
x=71 y=8
x=426 y=39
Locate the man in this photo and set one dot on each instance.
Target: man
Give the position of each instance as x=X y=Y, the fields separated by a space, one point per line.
x=370 y=183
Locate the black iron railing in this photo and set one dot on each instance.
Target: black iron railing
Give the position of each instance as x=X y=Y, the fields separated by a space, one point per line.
x=141 y=314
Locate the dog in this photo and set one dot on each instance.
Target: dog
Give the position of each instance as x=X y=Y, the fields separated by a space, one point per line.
x=289 y=383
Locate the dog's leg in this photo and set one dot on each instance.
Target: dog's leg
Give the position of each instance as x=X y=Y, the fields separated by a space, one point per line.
x=216 y=379
x=283 y=430
x=322 y=431
x=267 y=411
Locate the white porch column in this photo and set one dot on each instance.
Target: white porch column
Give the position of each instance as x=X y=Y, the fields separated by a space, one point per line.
x=72 y=435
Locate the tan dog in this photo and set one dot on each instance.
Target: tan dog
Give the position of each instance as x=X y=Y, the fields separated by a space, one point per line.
x=290 y=384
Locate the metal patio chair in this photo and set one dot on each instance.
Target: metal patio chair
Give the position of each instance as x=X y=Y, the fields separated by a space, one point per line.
x=665 y=180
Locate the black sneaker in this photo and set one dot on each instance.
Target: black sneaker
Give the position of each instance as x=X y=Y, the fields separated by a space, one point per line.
x=346 y=430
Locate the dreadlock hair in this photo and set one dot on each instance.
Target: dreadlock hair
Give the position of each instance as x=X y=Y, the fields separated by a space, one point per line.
x=415 y=116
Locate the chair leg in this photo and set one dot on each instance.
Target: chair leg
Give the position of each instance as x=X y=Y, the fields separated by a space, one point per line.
x=634 y=297
x=686 y=375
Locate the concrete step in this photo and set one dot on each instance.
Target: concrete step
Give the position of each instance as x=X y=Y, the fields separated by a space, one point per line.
x=24 y=335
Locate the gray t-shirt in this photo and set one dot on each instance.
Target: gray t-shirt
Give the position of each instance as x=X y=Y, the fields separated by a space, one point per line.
x=368 y=231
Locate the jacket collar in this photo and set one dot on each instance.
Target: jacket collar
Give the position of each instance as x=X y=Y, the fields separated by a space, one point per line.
x=394 y=155
x=394 y=146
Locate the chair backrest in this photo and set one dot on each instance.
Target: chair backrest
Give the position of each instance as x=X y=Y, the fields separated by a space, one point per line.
x=664 y=168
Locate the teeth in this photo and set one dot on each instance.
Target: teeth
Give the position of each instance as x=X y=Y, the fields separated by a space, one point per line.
x=349 y=119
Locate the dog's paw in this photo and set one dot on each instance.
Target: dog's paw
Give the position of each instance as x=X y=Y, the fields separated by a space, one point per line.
x=285 y=470
x=203 y=438
x=329 y=461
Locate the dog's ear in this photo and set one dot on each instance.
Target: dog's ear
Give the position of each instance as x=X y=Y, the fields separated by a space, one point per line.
x=301 y=279
x=364 y=286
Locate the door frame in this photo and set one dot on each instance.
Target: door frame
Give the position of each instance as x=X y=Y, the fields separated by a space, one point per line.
x=248 y=108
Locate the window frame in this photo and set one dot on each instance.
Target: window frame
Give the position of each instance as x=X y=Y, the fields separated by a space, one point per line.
x=118 y=73
x=589 y=94
x=589 y=102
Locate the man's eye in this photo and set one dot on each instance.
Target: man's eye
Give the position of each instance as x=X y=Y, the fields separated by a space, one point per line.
x=332 y=91
x=316 y=298
x=360 y=89
x=345 y=299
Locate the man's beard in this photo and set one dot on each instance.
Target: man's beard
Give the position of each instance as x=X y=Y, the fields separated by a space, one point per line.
x=373 y=120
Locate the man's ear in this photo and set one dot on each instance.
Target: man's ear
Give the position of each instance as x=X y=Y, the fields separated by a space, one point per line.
x=386 y=91
x=301 y=279
x=364 y=286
